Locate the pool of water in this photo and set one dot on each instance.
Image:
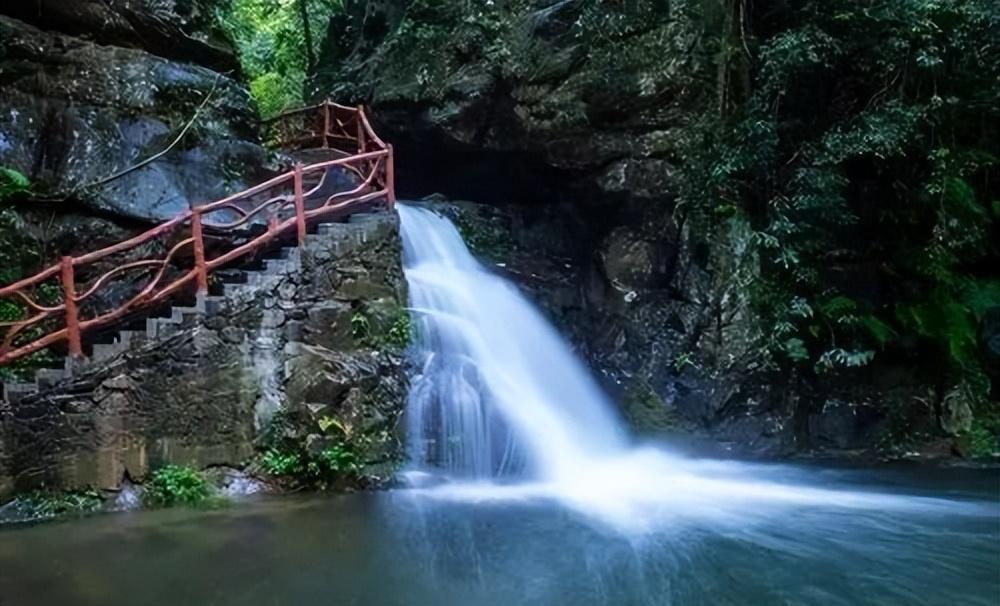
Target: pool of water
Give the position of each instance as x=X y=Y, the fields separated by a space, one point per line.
x=413 y=547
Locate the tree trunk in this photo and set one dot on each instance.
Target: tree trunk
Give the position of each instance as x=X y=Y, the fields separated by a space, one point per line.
x=307 y=36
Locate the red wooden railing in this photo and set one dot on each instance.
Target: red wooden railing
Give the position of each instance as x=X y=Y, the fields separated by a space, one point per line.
x=100 y=288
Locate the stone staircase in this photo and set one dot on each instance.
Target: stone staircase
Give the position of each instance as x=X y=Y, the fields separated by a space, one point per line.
x=237 y=285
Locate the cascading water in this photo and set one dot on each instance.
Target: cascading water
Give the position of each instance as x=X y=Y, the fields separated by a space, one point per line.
x=501 y=409
x=499 y=393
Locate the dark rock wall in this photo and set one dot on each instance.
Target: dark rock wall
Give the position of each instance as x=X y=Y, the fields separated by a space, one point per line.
x=82 y=103
x=182 y=30
x=570 y=118
x=521 y=99
x=666 y=334
x=207 y=394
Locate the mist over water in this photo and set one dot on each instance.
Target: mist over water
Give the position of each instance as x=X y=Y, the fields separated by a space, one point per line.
x=502 y=410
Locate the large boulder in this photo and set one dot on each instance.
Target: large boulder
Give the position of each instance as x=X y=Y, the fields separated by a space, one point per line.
x=183 y=30
x=77 y=113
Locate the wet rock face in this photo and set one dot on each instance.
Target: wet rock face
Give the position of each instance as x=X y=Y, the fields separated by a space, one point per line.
x=183 y=30
x=75 y=112
x=522 y=101
x=209 y=394
x=667 y=333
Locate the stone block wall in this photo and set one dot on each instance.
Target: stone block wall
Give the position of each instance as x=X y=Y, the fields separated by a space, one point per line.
x=206 y=394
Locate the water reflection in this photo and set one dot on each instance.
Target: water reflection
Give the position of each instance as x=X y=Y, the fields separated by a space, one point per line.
x=403 y=548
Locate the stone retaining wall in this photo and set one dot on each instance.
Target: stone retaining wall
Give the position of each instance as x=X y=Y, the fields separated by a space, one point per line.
x=206 y=394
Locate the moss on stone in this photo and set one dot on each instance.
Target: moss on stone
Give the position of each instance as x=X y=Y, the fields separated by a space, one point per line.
x=646 y=410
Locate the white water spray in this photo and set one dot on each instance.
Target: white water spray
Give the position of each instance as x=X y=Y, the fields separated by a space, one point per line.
x=499 y=393
x=503 y=410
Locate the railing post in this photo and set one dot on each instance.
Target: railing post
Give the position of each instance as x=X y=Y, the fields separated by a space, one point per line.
x=199 y=251
x=327 y=108
x=362 y=144
x=390 y=177
x=72 y=314
x=300 y=205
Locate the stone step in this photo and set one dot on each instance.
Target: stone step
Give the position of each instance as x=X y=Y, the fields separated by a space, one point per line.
x=289 y=259
x=106 y=351
x=325 y=229
x=13 y=393
x=47 y=377
x=133 y=338
x=157 y=328
x=211 y=304
x=180 y=315
x=235 y=290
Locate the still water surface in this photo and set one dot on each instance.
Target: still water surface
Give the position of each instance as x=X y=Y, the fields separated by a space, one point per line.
x=411 y=548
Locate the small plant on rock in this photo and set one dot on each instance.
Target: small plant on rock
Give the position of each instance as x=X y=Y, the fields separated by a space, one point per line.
x=401 y=332
x=177 y=485
x=298 y=467
x=12 y=182
x=280 y=463
x=398 y=335
x=361 y=328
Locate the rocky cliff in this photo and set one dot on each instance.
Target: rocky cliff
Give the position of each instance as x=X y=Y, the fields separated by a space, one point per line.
x=91 y=90
x=571 y=119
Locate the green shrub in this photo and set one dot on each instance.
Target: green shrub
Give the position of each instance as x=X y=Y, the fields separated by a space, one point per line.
x=177 y=485
x=981 y=441
x=398 y=335
x=12 y=182
x=294 y=465
x=871 y=218
x=361 y=328
x=276 y=462
x=21 y=255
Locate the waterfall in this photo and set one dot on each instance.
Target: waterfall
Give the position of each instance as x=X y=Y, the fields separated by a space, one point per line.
x=501 y=409
x=499 y=393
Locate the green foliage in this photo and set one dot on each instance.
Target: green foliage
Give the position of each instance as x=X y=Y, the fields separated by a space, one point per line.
x=17 y=251
x=361 y=327
x=317 y=470
x=400 y=333
x=271 y=44
x=177 y=485
x=397 y=335
x=46 y=505
x=12 y=182
x=20 y=255
x=862 y=155
x=282 y=463
x=979 y=442
x=329 y=455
